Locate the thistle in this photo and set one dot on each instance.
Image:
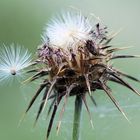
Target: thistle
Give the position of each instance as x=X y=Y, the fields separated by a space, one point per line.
x=75 y=59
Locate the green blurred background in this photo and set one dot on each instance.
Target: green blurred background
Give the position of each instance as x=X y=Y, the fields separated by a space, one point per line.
x=22 y=22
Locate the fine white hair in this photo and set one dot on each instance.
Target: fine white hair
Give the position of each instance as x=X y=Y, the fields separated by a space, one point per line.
x=13 y=59
x=67 y=30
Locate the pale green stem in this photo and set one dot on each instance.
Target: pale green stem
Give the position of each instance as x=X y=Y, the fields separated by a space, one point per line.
x=77 y=118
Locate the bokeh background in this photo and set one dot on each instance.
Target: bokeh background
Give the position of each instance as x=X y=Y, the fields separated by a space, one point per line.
x=22 y=22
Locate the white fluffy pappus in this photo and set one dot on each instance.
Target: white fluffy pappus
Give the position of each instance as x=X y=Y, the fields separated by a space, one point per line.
x=67 y=30
x=13 y=59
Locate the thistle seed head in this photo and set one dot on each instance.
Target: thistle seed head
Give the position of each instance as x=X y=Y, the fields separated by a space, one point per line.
x=76 y=58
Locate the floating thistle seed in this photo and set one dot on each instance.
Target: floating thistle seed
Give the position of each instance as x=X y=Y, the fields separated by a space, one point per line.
x=76 y=57
x=13 y=59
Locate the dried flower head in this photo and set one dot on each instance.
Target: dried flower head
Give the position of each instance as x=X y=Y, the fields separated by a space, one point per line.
x=76 y=58
x=13 y=59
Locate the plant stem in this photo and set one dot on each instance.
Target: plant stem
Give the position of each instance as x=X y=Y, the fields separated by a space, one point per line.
x=77 y=118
